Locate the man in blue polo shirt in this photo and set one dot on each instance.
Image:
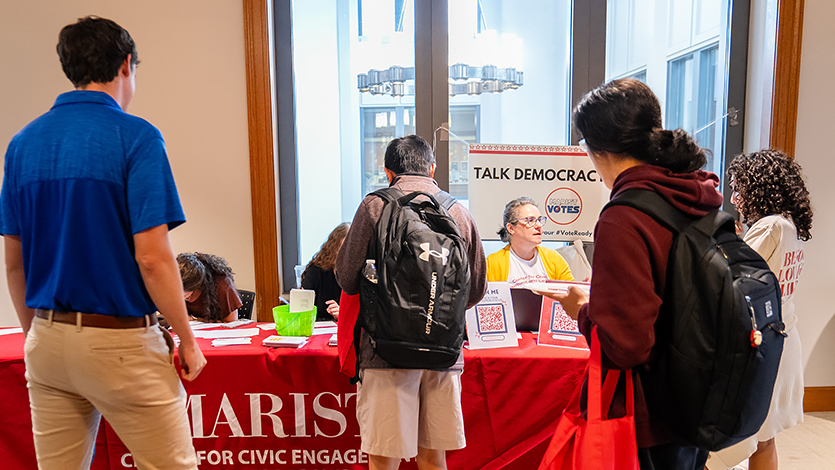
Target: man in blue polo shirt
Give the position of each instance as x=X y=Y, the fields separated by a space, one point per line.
x=87 y=201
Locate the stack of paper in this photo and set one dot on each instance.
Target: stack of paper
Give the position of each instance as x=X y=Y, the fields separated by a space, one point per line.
x=233 y=324
x=240 y=333
x=332 y=340
x=230 y=341
x=277 y=341
x=199 y=325
x=324 y=329
x=558 y=287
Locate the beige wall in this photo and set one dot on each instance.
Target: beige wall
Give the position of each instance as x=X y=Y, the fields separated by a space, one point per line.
x=815 y=125
x=190 y=84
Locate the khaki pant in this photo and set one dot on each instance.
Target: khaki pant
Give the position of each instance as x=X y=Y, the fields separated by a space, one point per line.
x=127 y=375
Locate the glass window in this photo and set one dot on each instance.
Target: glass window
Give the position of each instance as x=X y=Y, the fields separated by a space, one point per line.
x=379 y=126
x=692 y=101
x=342 y=132
x=510 y=65
x=678 y=49
x=509 y=76
x=641 y=76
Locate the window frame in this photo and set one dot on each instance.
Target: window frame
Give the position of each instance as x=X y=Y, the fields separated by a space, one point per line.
x=268 y=19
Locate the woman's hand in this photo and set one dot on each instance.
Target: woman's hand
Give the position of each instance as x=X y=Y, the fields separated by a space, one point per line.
x=333 y=309
x=571 y=302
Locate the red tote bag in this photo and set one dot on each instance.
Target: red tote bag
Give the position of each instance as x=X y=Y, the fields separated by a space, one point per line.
x=595 y=443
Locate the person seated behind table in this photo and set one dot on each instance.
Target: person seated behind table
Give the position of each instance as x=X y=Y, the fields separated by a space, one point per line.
x=318 y=275
x=523 y=260
x=209 y=288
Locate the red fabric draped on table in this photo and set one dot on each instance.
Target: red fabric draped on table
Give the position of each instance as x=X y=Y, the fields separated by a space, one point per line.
x=255 y=407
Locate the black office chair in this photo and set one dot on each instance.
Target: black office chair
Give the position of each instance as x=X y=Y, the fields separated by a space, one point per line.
x=248 y=300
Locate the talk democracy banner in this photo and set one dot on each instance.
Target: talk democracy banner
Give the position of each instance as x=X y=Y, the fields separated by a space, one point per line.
x=561 y=179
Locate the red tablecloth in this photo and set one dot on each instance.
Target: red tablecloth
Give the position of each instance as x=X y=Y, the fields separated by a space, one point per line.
x=256 y=407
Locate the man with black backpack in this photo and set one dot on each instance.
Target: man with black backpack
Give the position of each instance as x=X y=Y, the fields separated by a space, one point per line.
x=415 y=256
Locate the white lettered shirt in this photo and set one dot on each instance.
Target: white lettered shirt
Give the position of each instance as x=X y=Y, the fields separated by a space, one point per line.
x=774 y=237
x=523 y=271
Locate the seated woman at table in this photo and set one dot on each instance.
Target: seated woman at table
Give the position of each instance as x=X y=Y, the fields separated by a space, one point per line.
x=523 y=260
x=209 y=288
x=319 y=277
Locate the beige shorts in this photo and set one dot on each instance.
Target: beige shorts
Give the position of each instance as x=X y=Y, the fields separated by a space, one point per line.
x=399 y=410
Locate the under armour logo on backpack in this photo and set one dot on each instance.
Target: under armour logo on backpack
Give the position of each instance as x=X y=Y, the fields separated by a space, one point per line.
x=426 y=252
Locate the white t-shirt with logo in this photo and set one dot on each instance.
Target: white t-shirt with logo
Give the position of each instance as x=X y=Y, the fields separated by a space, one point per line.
x=523 y=271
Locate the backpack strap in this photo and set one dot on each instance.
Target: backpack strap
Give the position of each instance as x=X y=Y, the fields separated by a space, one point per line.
x=445 y=199
x=388 y=194
x=655 y=206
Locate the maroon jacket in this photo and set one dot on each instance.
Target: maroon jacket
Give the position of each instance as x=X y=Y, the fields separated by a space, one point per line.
x=628 y=276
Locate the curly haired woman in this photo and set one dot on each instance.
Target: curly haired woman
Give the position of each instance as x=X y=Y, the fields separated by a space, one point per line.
x=771 y=196
x=209 y=288
x=319 y=277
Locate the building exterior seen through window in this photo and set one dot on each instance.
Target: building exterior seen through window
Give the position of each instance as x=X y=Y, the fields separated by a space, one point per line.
x=679 y=49
x=510 y=67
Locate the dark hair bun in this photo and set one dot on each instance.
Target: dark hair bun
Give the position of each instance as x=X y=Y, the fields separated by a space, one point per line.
x=676 y=150
x=624 y=117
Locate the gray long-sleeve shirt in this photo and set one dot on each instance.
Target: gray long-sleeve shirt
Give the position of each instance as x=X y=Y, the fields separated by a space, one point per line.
x=352 y=255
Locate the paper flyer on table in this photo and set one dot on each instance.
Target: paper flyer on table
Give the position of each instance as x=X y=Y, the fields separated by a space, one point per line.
x=236 y=323
x=277 y=341
x=324 y=330
x=324 y=327
x=557 y=287
x=556 y=328
x=239 y=333
x=231 y=341
x=491 y=324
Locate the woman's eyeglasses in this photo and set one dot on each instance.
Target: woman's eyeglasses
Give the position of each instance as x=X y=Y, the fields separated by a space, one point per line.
x=532 y=220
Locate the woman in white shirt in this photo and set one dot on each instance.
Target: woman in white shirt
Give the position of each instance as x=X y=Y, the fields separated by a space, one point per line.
x=523 y=260
x=771 y=195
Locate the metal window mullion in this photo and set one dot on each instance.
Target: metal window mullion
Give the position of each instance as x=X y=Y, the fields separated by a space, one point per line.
x=588 y=58
x=431 y=80
x=286 y=141
x=737 y=61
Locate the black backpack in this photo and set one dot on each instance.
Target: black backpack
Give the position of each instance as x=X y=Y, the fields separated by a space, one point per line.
x=719 y=334
x=414 y=313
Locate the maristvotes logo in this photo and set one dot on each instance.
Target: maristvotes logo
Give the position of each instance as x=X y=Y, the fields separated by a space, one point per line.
x=563 y=206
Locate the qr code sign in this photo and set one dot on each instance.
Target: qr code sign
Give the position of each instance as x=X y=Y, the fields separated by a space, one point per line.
x=491 y=318
x=560 y=321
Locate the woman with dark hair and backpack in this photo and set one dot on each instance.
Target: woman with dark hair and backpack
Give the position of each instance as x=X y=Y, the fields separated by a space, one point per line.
x=620 y=124
x=209 y=288
x=770 y=194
